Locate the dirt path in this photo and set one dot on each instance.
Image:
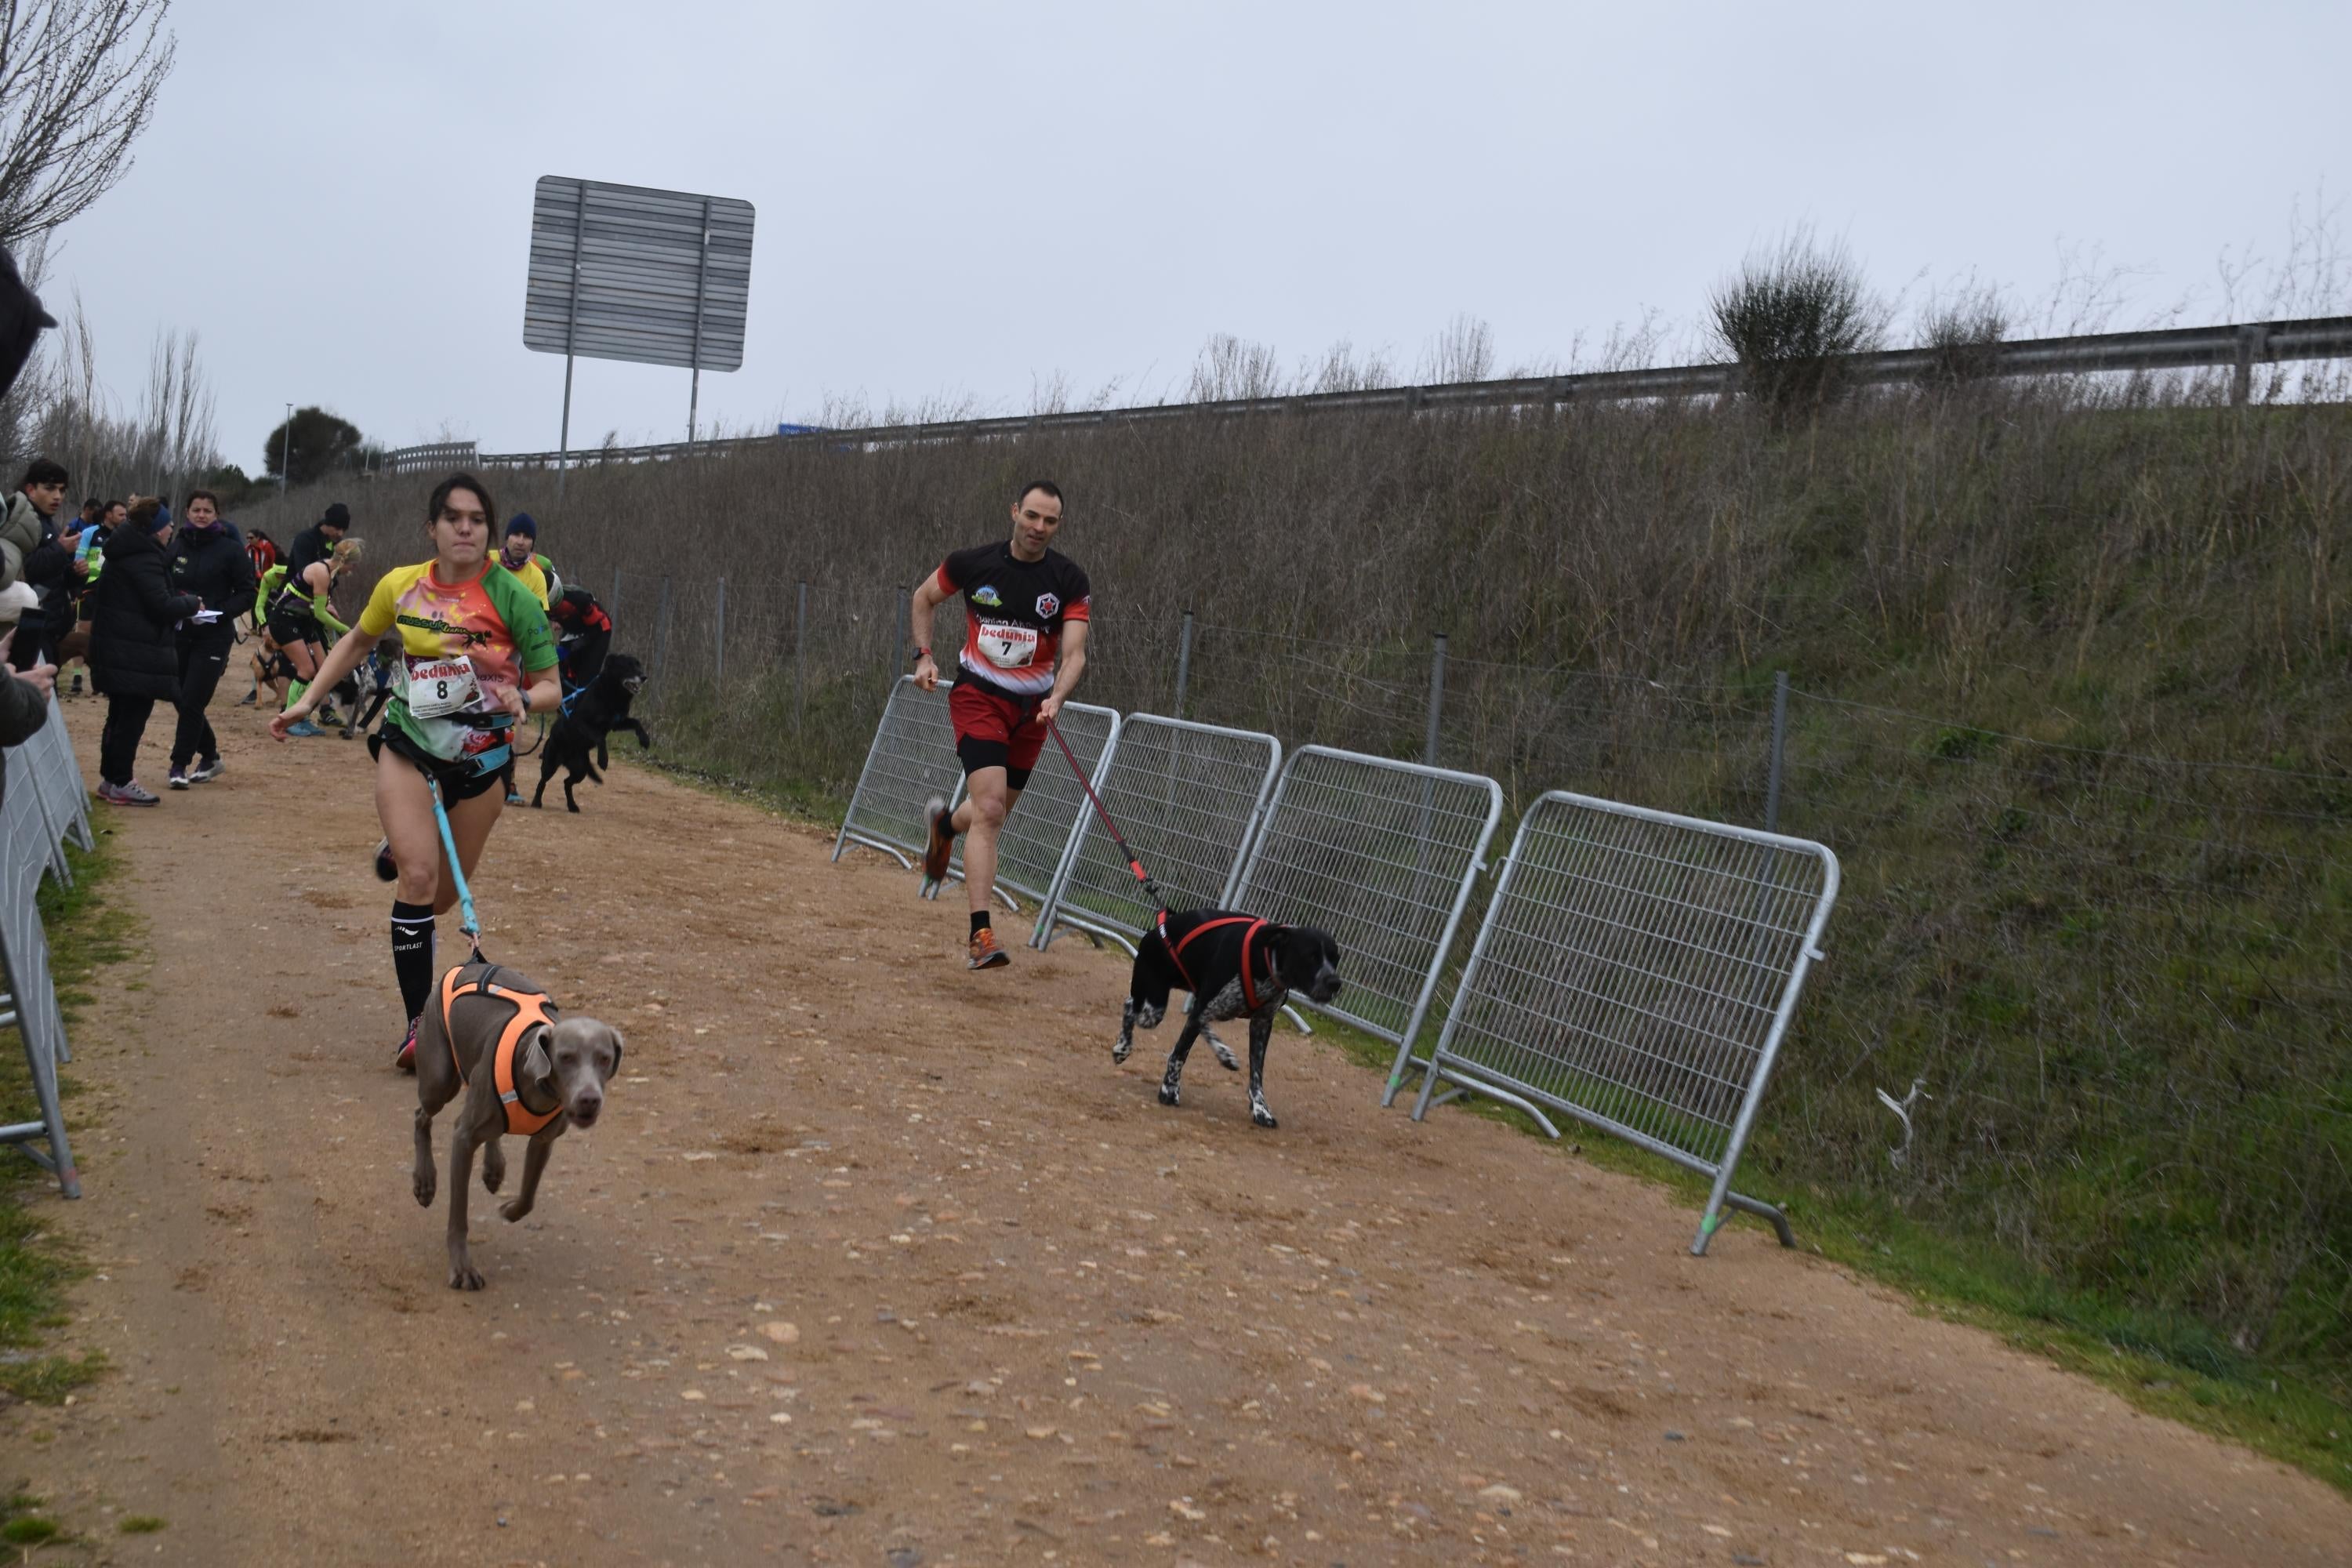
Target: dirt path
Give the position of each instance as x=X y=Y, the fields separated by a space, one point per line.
x=877 y=1261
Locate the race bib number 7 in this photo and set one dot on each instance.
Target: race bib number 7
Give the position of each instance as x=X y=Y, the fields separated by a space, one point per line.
x=1007 y=647
x=442 y=686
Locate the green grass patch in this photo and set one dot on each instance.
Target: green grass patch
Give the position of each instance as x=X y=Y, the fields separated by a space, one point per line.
x=21 y=1523
x=140 y=1524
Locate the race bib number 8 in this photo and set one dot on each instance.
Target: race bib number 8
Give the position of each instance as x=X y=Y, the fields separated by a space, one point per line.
x=1008 y=648
x=442 y=686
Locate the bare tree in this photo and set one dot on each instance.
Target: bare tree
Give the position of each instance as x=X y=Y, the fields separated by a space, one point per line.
x=78 y=86
x=1464 y=351
x=175 y=424
x=1230 y=368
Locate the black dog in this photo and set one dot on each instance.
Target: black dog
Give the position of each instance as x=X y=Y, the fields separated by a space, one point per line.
x=1233 y=965
x=592 y=713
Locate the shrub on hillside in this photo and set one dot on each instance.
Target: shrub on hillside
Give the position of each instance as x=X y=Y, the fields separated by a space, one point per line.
x=1787 y=315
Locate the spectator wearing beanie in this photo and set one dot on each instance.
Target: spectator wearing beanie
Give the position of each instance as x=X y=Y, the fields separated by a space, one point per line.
x=518 y=554
x=134 y=655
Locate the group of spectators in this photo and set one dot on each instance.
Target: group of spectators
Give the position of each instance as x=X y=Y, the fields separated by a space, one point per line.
x=149 y=602
x=152 y=604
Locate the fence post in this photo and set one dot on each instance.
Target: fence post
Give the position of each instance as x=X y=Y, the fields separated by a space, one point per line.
x=1436 y=696
x=1429 y=756
x=799 y=655
x=898 y=637
x=1779 y=751
x=661 y=634
x=1184 y=663
x=718 y=638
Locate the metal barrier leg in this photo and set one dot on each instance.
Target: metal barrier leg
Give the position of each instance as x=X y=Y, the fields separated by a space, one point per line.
x=51 y=1127
x=1458 y=1090
x=1713 y=1220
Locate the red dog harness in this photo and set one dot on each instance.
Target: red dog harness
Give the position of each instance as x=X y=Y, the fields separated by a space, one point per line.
x=1176 y=952
x=532 y=1008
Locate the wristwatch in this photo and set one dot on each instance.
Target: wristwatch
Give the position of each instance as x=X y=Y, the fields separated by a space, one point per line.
x=921 y=654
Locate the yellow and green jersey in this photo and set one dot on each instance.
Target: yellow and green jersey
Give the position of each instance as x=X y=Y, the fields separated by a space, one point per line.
x=490 y=618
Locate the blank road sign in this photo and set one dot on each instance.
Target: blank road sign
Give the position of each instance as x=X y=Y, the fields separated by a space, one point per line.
x=662 y=276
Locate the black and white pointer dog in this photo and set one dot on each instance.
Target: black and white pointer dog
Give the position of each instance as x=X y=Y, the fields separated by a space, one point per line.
x=577 y=743
x=1233 y=965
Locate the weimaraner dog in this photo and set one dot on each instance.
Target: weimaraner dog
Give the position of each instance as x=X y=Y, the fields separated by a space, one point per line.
x=495 y=1037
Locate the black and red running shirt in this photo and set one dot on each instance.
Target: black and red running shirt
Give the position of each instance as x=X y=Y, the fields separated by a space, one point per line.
x=1014 y=611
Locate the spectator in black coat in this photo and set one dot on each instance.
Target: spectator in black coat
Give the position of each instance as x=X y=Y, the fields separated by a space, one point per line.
x=134 y=655
x=208 y=560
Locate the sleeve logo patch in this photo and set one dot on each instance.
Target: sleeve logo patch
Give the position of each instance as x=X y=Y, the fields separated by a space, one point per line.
x=1048 y=605
x=986 y=594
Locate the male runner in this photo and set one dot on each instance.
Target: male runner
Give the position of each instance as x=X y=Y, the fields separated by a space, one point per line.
x=289 y=611
x=1027 y=608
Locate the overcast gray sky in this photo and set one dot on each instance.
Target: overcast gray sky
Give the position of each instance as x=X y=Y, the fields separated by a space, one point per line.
x=966 y=200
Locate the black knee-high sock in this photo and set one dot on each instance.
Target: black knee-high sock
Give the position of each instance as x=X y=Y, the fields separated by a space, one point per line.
x=979 y=921
x=412 y=954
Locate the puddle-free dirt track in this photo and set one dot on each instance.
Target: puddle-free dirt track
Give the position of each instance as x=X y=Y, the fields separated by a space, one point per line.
x=875 y=1260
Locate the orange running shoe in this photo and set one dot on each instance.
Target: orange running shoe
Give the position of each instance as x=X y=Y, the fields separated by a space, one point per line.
x=985 y=953
x=937 y=845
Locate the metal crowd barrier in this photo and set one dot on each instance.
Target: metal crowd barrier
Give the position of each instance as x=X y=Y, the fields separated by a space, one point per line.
x=25 y=848
x=1186 y=796
x=912 y=760
x=1036 y=837
x=1637 y=971
x=1382 y=854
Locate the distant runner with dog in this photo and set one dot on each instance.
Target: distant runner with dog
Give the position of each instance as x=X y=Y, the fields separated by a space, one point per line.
x=477 y=659
x=1027 y=608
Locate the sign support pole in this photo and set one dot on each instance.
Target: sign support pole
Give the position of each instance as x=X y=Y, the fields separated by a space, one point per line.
x=701 y=282
x=571 y=336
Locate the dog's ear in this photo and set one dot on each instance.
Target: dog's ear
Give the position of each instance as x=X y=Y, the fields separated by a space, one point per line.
x=535 y=1065
x=616 y=1047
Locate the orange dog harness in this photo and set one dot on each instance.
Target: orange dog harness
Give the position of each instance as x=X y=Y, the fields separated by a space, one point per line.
x=532 y=1008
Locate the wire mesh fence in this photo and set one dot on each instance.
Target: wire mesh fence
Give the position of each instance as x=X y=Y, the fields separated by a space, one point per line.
x=1190 y=790
x=912 y=762
x=1383 y=855
x=1638 y=970
x=1035 y=836
x=31 y=1004
x=2108 y=973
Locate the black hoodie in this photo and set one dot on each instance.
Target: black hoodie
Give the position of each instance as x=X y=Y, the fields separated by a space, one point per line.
x=212 y=564
x=132 y=650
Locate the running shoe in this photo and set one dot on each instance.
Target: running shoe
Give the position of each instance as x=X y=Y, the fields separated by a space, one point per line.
x=514 y=799
x=405 y=1058
x=249 y=699
x=179 y=779
x=329 y=717
x=385 y=868
x=125 y=794
x=209 y=769
x=985 y=953
x=303 y=727
x=938 y=846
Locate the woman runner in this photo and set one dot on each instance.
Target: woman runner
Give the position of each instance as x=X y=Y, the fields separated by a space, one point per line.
x=477 y=659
